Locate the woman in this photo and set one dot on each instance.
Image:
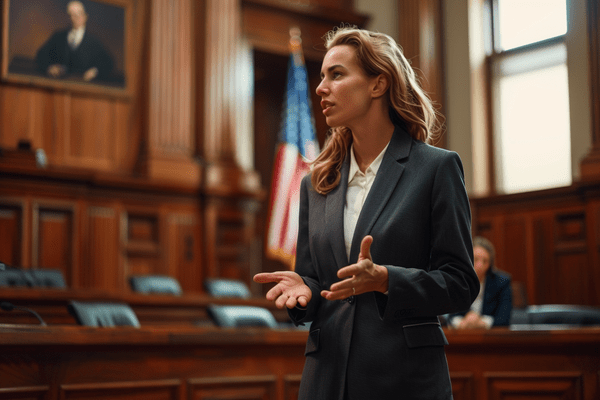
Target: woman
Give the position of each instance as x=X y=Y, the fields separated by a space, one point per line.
x=493 y=305
x=384 y=240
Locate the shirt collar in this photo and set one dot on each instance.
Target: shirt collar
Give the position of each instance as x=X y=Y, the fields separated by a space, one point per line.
x=372 y=169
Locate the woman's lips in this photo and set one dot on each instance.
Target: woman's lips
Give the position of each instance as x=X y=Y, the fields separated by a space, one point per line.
x=326 y=106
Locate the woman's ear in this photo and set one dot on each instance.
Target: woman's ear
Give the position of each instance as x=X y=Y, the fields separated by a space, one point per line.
x=379 y=86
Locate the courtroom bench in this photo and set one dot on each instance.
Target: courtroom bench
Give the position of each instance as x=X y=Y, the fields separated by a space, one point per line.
x=189 y=309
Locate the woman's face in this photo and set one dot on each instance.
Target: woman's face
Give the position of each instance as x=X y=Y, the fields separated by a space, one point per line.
x=482 y=262
x=344 y=87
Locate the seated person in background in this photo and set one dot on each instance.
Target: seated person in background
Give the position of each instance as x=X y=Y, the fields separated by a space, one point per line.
x=493 y=305
x=74 y=52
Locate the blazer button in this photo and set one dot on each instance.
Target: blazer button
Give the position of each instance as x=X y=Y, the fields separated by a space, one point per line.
x=350 y=300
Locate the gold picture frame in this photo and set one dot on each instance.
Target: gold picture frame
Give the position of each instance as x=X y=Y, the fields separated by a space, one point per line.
x=34 y=36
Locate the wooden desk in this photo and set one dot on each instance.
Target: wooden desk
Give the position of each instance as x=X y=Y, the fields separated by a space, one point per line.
x=71 y=362
x=534 y=364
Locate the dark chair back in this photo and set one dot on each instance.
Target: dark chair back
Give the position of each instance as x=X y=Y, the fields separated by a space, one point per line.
x=239 y=316
x=13 y=277
x=48 y=278
x=563 y=314
x=156 y=284
x=220 y=287
x=43 y=277
x=98 y=314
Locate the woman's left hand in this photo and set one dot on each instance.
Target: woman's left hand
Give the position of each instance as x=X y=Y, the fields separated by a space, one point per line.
x=362 y=277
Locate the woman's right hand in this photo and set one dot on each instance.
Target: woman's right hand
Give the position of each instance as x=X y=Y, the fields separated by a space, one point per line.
x=290 y=290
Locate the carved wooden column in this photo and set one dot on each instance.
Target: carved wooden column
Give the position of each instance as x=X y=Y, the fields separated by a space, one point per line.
x=232 y=188
x=170 y=145
x=420 y=35
x=590 y=166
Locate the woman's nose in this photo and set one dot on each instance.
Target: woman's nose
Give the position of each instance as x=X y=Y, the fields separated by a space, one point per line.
x=321 y=90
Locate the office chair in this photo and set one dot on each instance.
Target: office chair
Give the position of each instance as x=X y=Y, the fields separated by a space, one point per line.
x=47 y=278
x=98 y=314
x=220 y=287
x=239 y=316
x=14 y=277
x=563 y=314
x=155 y=284
x=44 y=277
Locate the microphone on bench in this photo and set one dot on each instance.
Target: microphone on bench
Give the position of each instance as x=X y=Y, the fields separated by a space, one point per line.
x=6 y=306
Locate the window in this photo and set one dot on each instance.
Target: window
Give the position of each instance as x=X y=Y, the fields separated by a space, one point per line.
x=530 y=95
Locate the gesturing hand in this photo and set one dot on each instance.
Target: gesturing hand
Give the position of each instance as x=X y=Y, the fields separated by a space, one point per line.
x=289 y=291
x=362 y=277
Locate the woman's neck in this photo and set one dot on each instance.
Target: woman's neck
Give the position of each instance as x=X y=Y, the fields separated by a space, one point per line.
x=368 y=143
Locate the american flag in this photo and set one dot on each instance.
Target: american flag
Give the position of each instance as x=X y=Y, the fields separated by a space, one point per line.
x=297 y=145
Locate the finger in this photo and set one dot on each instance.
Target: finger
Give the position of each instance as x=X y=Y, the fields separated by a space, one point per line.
x=365 y=247
x=266 y=277
x=291 y=302
x=346 y=284
x=281 y=300
x=274 y=293
x=303 y=301
x=337 y=295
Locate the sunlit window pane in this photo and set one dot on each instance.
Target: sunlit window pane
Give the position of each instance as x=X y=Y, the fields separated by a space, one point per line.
x=528 y=21
x=533 y=147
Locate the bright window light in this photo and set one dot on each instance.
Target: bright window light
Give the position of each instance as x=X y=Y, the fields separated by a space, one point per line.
x=533 y=151
x=523 y=22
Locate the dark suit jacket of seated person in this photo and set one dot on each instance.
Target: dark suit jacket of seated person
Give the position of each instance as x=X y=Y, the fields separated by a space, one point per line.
x=494 y=303
x=89 y=54
x=377 y=263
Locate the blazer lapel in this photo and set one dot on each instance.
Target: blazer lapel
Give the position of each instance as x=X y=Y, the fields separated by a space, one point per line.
x=384 y=185
x=334 y=216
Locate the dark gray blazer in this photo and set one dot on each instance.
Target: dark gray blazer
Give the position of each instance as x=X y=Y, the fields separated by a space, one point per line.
x=373 y=346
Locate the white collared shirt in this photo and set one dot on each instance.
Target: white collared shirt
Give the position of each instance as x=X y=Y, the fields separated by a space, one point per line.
x=75 y=37
x=359 y=185
x=477 y=307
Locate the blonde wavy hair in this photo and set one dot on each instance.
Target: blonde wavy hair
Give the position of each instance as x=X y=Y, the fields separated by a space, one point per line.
x=410 y=107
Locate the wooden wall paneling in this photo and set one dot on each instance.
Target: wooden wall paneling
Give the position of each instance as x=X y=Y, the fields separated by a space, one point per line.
x=55 y=236
x=25 y=114
x=291 y=386
x=90 y=138
x=234 y=388
x=421 y=38
x=184 y=246
x=532 y=385
x=168 y=389
x=593 y=248
x=170 y=145
x=12 y=231
x=266 y=24
x=103 y=266
x=143 y=246
x=463 y=385
x=590 y=165
x=232 y=248
x=572 y=264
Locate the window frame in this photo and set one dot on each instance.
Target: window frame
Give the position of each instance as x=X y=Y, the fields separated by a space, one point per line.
x=494 y=58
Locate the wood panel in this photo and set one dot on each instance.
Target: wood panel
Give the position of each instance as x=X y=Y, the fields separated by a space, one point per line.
x=238 y=388
x=104 y=266
x=535 y=385
x=145 y=390
x=547 y=240
x=54 y=233
x=11 y=231
x=71 y=362
x=463 y=385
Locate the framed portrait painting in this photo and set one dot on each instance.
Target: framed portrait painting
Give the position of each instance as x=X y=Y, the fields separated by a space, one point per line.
x=79 y=45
